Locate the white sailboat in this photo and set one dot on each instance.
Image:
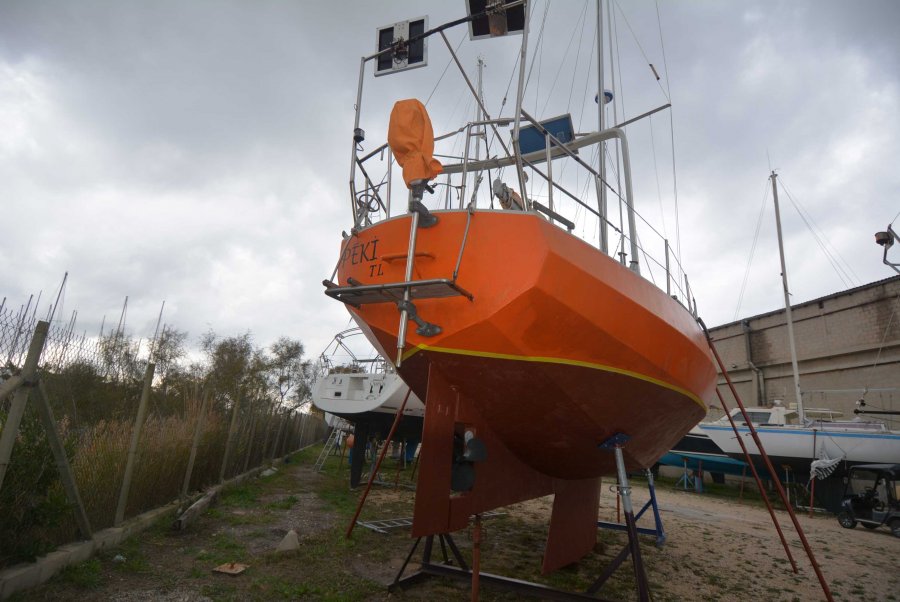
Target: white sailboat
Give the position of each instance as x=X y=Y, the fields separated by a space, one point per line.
x=809 y=441
x=354 y=387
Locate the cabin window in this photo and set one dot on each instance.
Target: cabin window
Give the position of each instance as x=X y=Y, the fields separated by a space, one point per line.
x=758 y=417
x=860 y=480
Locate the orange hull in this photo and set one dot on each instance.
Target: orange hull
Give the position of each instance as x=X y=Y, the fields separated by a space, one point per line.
x=560 y=348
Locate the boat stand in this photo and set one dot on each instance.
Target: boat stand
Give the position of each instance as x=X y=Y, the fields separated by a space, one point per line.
x=462 y=572
x=689 y=480
x=657 y=531
x=633 y=547
x=474 y=576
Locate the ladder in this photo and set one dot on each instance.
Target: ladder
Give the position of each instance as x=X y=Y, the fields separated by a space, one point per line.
x=330 y=445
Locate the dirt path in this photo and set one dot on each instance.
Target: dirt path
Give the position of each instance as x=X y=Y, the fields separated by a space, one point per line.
x=717 y=549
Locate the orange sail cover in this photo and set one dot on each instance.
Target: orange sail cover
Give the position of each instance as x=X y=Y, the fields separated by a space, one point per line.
x=411 y=139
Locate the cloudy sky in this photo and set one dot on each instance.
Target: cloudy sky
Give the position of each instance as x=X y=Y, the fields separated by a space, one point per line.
x=198 y=152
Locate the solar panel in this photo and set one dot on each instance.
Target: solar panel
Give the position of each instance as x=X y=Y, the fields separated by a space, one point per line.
x=531 y=139
x=405 y=55
x=495 y=25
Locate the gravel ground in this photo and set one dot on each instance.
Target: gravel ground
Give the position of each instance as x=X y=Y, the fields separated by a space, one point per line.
x=717 y=549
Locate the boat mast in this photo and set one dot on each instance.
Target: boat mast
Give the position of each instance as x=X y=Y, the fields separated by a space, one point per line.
x=600 y=182
x=787 y=304
x=481 y=132
x=517 y=149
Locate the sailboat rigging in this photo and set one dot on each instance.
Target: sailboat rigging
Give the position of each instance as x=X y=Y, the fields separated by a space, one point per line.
x=542 y=361
x=811 y=442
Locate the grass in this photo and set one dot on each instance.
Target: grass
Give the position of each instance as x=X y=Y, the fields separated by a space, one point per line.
x=244 y=495
x=285 y=504
x=87 y=575
x=328 y=566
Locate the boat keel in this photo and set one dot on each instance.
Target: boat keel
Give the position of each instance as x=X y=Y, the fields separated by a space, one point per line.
x=498 y=478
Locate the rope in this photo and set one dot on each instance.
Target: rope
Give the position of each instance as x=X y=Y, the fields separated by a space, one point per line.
x=537 y=48
x=563 y=60
x=662 y=212
x=834 y=259
x=444 y=72
x=672 y=132
x=884 y=338
x=577 y=59
x=641 y=48
x=762 y=210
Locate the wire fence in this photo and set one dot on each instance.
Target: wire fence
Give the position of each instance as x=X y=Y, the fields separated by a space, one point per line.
x=127 y=441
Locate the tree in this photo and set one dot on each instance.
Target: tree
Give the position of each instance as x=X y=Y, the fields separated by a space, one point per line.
x=236 y=368
x=119 y=357
x=288 y=373
x=167 y=352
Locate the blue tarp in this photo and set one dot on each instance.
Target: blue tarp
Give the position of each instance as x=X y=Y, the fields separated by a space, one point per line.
x=722 y=464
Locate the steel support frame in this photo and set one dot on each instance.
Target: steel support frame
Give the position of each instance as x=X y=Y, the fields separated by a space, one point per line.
x=464 y=573
x=658 y=531
x=633 y=547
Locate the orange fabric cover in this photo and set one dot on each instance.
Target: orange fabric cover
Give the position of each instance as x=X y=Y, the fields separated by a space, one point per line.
x=411 y=139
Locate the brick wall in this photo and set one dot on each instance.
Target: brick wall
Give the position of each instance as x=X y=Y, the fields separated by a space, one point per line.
x=848 y=346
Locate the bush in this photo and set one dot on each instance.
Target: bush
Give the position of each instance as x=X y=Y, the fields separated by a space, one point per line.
x=33 y=504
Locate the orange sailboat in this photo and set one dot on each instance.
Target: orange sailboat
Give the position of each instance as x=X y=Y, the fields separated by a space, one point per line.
x=535 y=351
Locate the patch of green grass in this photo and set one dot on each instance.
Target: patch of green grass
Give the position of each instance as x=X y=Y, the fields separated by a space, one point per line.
x=338 y=496
x=258 y=517
x=224 y=548
x=285 y=504
x=279 y=587
x=87 y=575
x=306 y=456
x=228 y=543
x=220 y=590
x=245 y=495
x=130 y=550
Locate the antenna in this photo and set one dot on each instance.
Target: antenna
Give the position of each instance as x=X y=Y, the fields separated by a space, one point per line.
x=396 y=52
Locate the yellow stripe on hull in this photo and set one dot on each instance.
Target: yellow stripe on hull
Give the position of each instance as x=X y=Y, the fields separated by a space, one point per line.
x=556 y=360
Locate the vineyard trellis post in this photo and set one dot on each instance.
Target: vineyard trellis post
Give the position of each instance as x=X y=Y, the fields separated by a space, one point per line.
x=204 y=404
x=66 y=476
x=135 y=439
x=251 y=437
x=303 y=422
x=231 y=430
x=20 y=389
x=20 y=397
x=279 y=417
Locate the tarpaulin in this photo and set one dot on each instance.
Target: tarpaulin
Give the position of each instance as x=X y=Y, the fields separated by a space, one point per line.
x=411 y=139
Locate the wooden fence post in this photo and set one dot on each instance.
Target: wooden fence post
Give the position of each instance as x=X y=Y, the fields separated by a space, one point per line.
x=196 y=443
x=281 y=421
x=135 y=439
x=66 y=476
x=20 y=398
x=234 y=413
x=304 y=419
x=268 y=433
x=250 y=438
